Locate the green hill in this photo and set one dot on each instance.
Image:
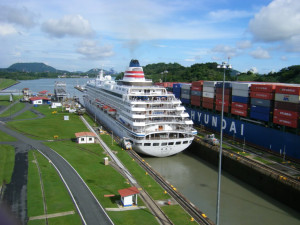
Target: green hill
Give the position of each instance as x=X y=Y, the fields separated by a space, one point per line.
x=32 y=67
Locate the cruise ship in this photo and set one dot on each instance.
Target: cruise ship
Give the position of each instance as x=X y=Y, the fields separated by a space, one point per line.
x=150 y=118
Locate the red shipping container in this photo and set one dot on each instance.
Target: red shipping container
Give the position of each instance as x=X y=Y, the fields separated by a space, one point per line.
x=226 y=97
x=239 y=112
x=239 y=105
x=292 y=90
x=219 y=102
x=208 y=100
x=197 y=83
x=286 y=114
x=197 y=88
x=207 y=105
x=227 y=91
x=263 y=87
x=196 y=100
x=285 y=122
x=219 y=108
x=289 y=106
x=262 y=95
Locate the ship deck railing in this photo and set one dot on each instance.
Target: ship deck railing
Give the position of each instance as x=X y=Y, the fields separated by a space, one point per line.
x=147 y=101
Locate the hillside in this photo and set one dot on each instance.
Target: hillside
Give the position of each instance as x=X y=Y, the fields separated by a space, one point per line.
x=32 y=67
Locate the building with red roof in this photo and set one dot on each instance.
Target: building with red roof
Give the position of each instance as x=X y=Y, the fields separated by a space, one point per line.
x=129 y=196
x=38 y=100
x=85 y=137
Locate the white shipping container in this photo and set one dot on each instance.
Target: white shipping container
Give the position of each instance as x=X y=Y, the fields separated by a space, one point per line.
x=185 y=96
x=209 y=89
x=209 y=83
x=287 y=98
x=240 y=92
x=241 y=86
x=208 y=94
x=186 y=86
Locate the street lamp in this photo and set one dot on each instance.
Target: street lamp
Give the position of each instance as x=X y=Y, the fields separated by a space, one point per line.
x=224 y=66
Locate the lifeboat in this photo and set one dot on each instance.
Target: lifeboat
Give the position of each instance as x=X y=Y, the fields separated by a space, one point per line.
x=112 y=111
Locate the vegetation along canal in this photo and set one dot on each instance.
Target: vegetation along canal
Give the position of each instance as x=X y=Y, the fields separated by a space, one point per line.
x=197 y=181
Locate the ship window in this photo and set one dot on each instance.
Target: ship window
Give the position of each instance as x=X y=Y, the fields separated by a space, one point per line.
x=138 y=144
x=164 y=144
x=147 y=144
x=178 y=142
x=191 y=141
x=185 y=142
x=155 y=144
x=171 y=143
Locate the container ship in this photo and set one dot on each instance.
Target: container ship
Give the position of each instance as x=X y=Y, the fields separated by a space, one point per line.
x=265 y=115
x=150 y=118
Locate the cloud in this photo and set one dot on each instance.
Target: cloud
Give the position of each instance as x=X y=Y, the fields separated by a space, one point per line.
x=244 y=44
x=190 y=60
x=91 y=50
x=7 y=29
x=226 y=50
x=279 y=21
x=72 y=25
x=283 y=58
x=19 y=16
x=260 y=53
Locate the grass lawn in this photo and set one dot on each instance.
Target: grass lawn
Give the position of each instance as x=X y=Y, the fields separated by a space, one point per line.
x=177 y=215
x=15 y=108
x=53 y=124
x=26 y=115
x=6 y=137
x=5 y=83
x=56 y=194
x=142 y=216
x=7 y=162
x=146 y=181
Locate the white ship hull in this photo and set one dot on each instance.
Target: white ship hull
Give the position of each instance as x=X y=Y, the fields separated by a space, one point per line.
x=119 y=130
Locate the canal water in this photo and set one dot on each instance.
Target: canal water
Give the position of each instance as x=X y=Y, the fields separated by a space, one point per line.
x=196 y=179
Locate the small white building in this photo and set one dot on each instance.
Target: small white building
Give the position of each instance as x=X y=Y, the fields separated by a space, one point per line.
x=129 y=196
x=85 y=137
x=54 y=105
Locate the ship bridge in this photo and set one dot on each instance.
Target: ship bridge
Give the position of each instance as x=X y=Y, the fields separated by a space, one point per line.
x=60 y=91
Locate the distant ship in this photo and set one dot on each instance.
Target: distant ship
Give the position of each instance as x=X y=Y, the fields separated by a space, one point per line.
x=150 y=118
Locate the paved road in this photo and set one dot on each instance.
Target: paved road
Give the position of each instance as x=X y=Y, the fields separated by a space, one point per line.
x=92 y=212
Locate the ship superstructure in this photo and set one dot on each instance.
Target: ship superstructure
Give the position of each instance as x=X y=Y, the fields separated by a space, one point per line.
x=152 y=119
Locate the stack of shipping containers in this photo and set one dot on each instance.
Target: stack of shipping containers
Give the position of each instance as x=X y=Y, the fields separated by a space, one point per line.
x=208 y=94
x=185 y=94
x=287 y=105
x=196 y=93
x=177 y=90
x=262 y=101
x=227 y=96
x=240 y=99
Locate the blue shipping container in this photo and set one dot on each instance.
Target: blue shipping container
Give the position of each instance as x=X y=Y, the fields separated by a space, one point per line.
x=262 y=102
x=260 y=109
x=226 y=85
x=185 y=101
x=260 y=116
x=240 y=99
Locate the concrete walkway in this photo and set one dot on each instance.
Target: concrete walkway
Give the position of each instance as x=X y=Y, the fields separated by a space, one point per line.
x=52 y=215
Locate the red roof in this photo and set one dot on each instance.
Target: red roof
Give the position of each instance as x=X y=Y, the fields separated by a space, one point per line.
x=43 y=92
x=85 y=134
x=128 y=191
x=39 y=98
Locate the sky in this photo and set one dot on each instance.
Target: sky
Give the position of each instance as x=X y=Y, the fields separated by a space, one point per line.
x=76 y=35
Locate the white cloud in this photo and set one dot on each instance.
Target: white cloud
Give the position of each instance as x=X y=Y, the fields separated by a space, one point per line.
x=18 y=16
x=283 y=58
x=190 y=60
x=244 y=44
x=279 y=21
x=260 y=53
x=91 y=50
x=226 y=50
x=7 y=29
x=72 y=25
